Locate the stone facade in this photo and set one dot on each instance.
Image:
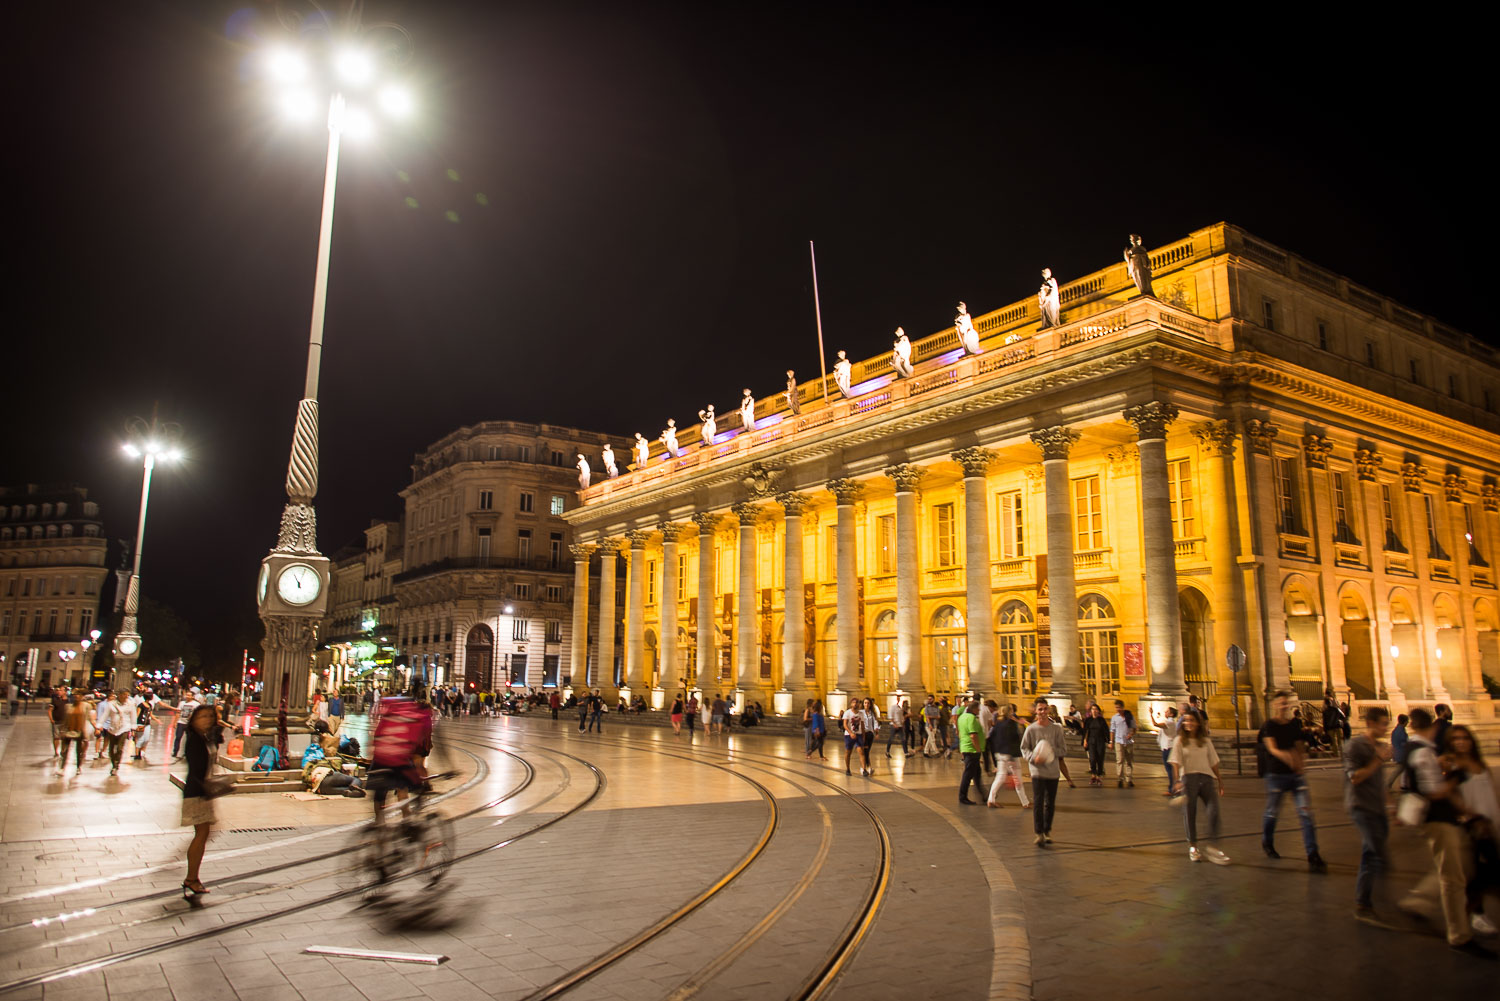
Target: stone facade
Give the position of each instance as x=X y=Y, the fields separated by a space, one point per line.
x=1262 y=452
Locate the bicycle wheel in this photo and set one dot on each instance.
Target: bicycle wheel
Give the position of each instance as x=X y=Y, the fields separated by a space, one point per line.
x=437 y=848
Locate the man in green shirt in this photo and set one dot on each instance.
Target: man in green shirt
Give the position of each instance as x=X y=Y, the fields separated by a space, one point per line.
x=971 y=739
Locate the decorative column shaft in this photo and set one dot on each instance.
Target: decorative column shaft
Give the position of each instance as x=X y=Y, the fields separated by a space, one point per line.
x=747 y=649
x=604 y=676
x=846 y=571
x=1056 y=443
x=708 y=665
x=578 y=655
x=667 y=678
x=635 y=610
x=907 y=478
x=793 y=627
x=979 y=617
x=1219 y=518
x=1163 y=629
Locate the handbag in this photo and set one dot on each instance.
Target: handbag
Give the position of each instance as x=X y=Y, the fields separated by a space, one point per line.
x=218 y=785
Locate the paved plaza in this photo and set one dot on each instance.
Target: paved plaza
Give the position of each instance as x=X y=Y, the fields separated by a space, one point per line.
x=757 y=873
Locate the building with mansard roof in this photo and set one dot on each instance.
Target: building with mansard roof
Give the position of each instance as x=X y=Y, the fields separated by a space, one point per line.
x=1260 y=454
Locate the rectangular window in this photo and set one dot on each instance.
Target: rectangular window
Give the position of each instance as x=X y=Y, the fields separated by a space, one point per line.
x=1288 y=508
x=5 y=623
x=90 y=585
x=523 y=453
x=1180 y=499
x=494 y=453
x=682 y=573
x=26 y=588
x=518 y=669
x=1088 y=514
x=67 y=625
x=557 y=505
x=72 y=585
x=1370 y=354
x=1323 y=336
x=1388 y=515
x=1268 y=313
x=484 y=545
x=650 y=582
x=527 y=502
x=558 y=459
x=52 y=613
x=944 y=530
x=554 y=630
x=85 y=621
x=1012 y=526
x=1343 y=511
x=1416 y=370
x=486 y=500
x=554 y=593
x=551 y=668
x=523 y=592
x=10 y=588
x=523 y=545
x=1453 y=385
x=1435 y=547
x=885 y=542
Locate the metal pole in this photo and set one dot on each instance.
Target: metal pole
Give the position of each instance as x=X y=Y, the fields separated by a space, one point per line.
x=325 y=247
x=818 y=312
x=1239 y=757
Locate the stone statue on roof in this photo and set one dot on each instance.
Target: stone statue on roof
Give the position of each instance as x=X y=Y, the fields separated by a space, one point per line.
x=583 y=472
x=793 y=394
x=710 y=424
x=1138 y=264
x=1049 y=301
x=901 y=354
x=669 y=439
x=609 y=461
x=747 y=411
x=642 y=450
x=967 y=335
x=843 y=372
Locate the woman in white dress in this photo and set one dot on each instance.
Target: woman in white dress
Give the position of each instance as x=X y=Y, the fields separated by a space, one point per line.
x=842 y=374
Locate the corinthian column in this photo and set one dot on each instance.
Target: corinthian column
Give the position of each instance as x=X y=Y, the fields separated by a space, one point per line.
x=747 y=649
x=667 y=679
x=793 y=627
x=635 y=613
x=1056 y=443
x=979 y=617
x=604 y=677
x=846 y=492
x=907 y=478
x=1163 y=628
x=708 y=666
x=578 y=652
x=1219 y=518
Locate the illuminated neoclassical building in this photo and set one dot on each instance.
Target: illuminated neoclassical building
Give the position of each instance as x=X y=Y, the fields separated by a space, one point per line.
x=1261 y=454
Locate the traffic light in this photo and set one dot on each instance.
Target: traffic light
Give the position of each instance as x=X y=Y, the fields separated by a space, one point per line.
x=253 y=670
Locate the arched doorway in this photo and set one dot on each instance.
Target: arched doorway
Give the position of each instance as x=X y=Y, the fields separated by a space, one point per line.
x=1448 y=647
x=1359 y=645
x=1485 y=625
x=1406 y=646
x=479 y=657
x=950 y=662
x=1015 y=641
x=1098 y=646
x=1199 y=666
x=883 y=640
x=1305 y=667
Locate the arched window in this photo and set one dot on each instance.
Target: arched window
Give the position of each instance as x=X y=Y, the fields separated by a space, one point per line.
x=884 y=633
x=1016 y=642
x=1098 y=645
x=67 y=531
x=950 y=663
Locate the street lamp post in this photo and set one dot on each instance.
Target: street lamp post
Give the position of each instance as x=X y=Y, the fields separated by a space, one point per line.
x=292 y=589
x=146 y=441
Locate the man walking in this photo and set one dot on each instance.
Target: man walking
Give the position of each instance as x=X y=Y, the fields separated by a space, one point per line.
x=1043 y=746
x=335 y=711
x=1364 y=798
x=185 y=709
x=690 y=710
x=55 y=709
x=898 y=724
x=119 y=722
x=971 y=740
x=1284 y=758
x=1122 y=736
x=1166 y=733
x=596 y=711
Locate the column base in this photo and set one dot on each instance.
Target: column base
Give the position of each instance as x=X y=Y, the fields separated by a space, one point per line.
x=783 y=702
x=658 y=698
x=625 y=693
x=1157 y=703
x=837 y=702
x=1060 y=701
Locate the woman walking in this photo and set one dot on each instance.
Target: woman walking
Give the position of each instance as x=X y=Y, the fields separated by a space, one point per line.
x=1095 y=742
x=143 y=717
x=203 y=738
x=854 y=722
x=676 y=715
x=75 y=723
x=867 y=735
x=807 y=733
x=1476 y=790
x=1197 y=765
x=1007 y=740
x=818 y=729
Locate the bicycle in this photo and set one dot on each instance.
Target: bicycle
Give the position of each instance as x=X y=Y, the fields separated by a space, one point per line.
x=407 y=857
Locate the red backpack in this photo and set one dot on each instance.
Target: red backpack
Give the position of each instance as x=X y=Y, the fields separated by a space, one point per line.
x=403 y=731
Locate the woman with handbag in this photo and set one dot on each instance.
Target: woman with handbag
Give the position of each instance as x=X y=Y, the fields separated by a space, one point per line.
x=199 y=790
x=1481 y=817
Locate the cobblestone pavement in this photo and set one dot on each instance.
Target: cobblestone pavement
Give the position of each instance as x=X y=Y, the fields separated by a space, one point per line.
x=969 y=907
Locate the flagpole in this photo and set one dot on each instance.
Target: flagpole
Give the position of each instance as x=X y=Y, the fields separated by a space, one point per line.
x=818 y=312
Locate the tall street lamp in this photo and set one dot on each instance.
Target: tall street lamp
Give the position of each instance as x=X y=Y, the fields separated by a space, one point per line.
x=292 y=588
x=147 y=441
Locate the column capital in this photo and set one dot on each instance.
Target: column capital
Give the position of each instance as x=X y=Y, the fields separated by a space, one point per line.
x=1316 y=448
x=1412 y=476
x=1262 y=435
x=1055 y=442
x=1216 y=435
x=610 y=548
x=638 y=537
x=792 y=502
x=1489 y=494
x=1454 y=487
x=976 y=461
x=1151 y=419
x=675 y=531
x=706 y=522
x=581 y=551
x=747 y=512
x=845 y=489
x=1367 y=463
x=907 y=476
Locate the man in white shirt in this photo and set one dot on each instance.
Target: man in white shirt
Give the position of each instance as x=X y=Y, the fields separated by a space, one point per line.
x=184 y=713
x=898 y=725
x=119 y=722
x=1166 y=732
x=987 y=722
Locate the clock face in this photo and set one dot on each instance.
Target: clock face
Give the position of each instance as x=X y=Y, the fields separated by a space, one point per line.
x=128 y=647
x=299 y=584
x=265 y=582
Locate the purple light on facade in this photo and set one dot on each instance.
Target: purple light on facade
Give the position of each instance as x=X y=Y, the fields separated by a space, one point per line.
x=949 y=357
x=870 y=385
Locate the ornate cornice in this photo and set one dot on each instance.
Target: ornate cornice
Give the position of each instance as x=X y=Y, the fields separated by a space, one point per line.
x=1454 y=487
x=1151 y=419
x=1055 y=442
x=747 y=513
x=1316 y=449
x=907 y=476
x=975 y=461
x=792 y=502
x=1412 y=476
x=1218 y=436
x=845 y=489
x=1367 y=463
x=1262 y=435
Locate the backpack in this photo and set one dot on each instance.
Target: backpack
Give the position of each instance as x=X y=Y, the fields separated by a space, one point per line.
x=348 y=745
x=267 y=761
x=313 y=753
x=400 y=734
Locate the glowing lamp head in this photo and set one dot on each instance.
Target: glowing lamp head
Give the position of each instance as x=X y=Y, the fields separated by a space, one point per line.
x=131 y=450
x=354 y=66
x=1395 y=651
x=297 y=105
x=357 y=124
x=1289 y=645
x=396 y=101
x=285 y=65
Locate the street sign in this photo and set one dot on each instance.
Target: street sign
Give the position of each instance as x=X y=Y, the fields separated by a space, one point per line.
x=1235 y=658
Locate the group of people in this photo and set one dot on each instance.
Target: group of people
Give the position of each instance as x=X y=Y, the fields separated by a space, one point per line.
x=109 y=721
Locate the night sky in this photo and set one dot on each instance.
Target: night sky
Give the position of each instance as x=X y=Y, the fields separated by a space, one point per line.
x=653 y=174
